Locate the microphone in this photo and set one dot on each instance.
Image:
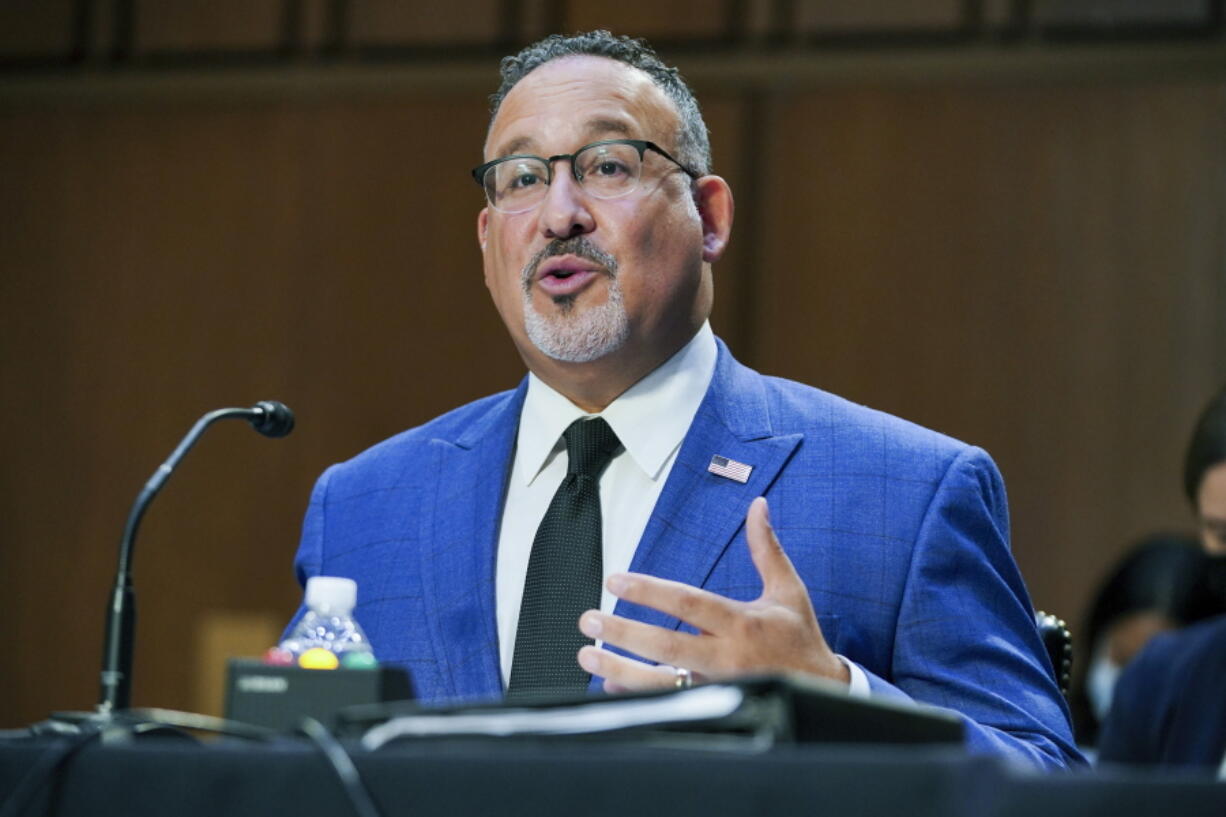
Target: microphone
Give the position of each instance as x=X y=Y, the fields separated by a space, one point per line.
x=271 y=418
x=268 y=417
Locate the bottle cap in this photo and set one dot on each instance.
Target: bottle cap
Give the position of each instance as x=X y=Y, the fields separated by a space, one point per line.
x=332 y=593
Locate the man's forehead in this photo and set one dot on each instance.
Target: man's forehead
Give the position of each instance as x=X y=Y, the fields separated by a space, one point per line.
x=585 y=97
x=591 y=131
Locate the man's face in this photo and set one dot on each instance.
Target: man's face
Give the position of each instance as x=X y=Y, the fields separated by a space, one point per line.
x=580 y=279
x=1211 y=508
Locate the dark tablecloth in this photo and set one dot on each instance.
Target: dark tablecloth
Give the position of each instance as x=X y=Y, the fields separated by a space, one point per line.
x=157 y=775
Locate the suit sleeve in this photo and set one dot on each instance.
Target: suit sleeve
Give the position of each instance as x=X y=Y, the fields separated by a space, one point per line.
x=966 y=638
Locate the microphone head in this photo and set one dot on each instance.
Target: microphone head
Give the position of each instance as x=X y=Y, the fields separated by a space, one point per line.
x=272 y=418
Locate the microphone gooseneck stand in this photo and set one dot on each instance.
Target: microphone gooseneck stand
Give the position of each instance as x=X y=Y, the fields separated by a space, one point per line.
x=268 y=417
x=113 y=720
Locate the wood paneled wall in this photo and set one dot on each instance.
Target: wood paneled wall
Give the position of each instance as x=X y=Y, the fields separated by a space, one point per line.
x=1034 y=266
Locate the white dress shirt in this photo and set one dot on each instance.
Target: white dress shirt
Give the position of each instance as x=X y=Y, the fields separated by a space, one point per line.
x=651 y=419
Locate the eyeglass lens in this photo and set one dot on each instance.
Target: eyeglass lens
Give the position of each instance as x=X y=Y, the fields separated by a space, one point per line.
x=603 y=171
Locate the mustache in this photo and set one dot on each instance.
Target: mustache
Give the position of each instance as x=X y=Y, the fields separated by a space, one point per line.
x=578 y=246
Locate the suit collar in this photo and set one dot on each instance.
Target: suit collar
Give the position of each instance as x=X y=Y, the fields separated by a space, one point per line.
x=738 y=398
x=495 y=420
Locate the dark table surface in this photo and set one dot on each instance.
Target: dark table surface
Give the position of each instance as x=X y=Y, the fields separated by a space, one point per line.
x=173 y=776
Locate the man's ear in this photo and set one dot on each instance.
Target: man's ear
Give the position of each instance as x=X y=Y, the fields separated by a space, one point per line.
x=713 y=197
x=483 y=223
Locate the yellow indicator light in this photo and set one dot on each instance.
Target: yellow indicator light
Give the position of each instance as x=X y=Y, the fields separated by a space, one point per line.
x=318 y=658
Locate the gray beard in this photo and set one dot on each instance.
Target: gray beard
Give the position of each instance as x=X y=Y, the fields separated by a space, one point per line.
x=579 y=336
x=567 y=334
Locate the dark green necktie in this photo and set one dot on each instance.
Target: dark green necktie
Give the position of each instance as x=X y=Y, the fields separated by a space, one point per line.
x=564 y=572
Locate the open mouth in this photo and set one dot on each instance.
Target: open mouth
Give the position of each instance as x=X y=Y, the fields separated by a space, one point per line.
x=565 y=275
x=566 y=281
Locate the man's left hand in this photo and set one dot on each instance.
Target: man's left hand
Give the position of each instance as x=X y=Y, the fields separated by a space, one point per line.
x=777 y=632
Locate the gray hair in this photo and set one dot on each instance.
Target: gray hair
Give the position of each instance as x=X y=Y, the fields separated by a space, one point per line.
x=693 y=146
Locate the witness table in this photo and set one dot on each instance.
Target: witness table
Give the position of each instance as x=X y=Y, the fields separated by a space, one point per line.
x=168 y=776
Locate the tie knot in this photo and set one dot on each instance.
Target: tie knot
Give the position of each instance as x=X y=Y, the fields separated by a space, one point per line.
x=589 y=446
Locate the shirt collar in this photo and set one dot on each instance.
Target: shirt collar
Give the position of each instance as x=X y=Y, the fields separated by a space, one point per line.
x=650 y=418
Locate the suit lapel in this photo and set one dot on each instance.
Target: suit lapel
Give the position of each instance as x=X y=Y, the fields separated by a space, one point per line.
x=461 y=529
x=698 y=512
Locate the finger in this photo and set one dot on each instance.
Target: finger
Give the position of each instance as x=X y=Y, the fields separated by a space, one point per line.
x=622 y=674
x=645 y=640
x=702 y=609
x=779 y=578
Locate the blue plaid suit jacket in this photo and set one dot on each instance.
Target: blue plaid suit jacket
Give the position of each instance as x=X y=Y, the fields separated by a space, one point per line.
x=899 y=533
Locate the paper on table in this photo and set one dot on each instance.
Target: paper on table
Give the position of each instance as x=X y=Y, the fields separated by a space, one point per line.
x=601 y=715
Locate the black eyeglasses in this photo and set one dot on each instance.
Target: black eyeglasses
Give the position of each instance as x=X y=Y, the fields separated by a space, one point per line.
x=606 y=169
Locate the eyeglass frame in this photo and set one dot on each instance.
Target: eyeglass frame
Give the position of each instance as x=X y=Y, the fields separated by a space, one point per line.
x=641 y=145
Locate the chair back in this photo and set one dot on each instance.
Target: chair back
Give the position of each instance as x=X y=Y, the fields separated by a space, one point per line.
x=1059 y=643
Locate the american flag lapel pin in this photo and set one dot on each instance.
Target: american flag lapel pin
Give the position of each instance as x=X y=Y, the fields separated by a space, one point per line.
x=730 y=469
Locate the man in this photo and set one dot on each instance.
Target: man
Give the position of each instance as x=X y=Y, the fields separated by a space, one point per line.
x=601 y=226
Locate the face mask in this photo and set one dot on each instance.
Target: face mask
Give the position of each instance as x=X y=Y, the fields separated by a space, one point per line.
x=1100 y=681
x=1214 y=581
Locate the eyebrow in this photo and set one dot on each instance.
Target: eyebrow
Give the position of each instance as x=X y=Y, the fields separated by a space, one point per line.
x=517 y=145
x=595 y=129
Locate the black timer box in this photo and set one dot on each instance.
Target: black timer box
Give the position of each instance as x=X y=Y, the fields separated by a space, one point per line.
x=280 y=696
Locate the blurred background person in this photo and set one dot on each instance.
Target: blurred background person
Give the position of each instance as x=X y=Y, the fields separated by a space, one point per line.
x=1169 y=707
x=1204 y=474
x=1156 y=587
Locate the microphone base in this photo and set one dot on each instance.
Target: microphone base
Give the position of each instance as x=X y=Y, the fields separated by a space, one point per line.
x=109 y=725
x=77 y=722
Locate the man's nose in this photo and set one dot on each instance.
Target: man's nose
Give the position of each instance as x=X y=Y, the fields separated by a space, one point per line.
x=565 y=212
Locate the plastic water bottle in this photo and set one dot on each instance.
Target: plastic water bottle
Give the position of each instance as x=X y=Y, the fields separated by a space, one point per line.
x=327 y=634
